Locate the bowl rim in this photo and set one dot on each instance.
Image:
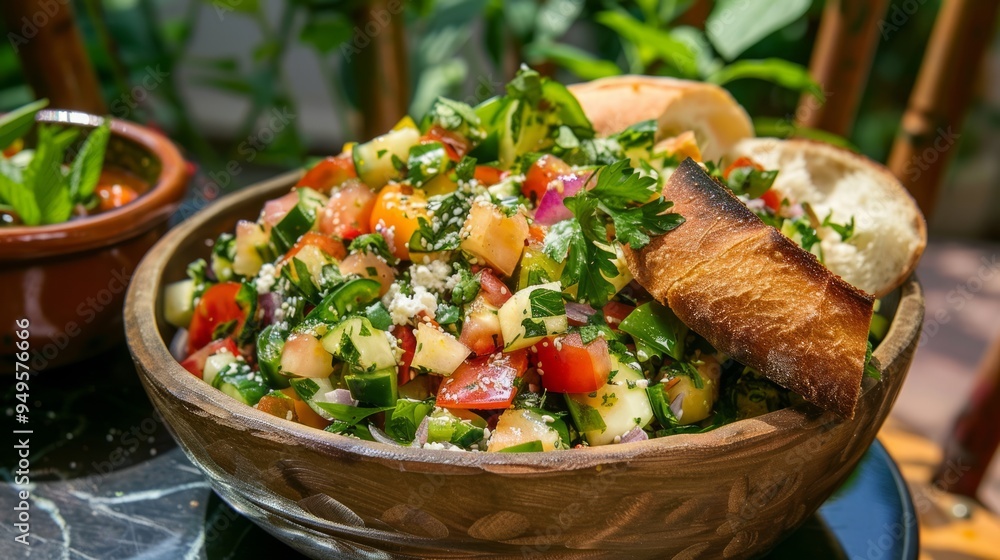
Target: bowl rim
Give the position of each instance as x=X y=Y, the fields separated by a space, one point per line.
x=158 y=368
x=106 y=228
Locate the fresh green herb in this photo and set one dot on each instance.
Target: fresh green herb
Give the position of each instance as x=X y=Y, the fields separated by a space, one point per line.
x=465 y=169
x=685 y=368
x=546 y=303
x=379 y=316
x=223 y=330
x=622 y=197
x=375 y=244
x=533 y=328
x=441 y=233
x=85 y=170
x=466 y=288
x=17 y=123
x=447 y=314
x=198 y=271
x=870 y=369
x=750 y=181
x=845 y=231
x=456 y=117
x=348 y=414
x=246 y=299
x=402 y=424
x=426 y=161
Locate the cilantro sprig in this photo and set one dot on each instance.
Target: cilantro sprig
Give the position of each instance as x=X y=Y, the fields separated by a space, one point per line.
x=621 y=198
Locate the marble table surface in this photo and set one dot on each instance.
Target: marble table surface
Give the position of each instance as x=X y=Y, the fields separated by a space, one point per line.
x=108 y=482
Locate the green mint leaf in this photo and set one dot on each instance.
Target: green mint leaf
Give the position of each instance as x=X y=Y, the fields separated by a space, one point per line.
x=21 y=198
x=86 y=168
x=846 y=231
x=372 y=243
x=18 y=122
x=546 y=303
x=45 y=178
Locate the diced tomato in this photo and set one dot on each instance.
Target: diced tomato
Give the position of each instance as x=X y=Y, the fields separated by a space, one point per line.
x=329 y=173
x=481 y=328
x=408 y=342
x=493 y=289
x=455 y=145
x=306 y=415
x=741 y=162
x=569 y=366
x=217 y=306
x=367 y=265
x=324 y=243
x=115 y=196
x=275 y=210
x=195 y=363
x=615 y=313
x=546 y=169
x=396 y=215
x=488 y=175
x=349 y=210
x=772 y=199
x=484 y=383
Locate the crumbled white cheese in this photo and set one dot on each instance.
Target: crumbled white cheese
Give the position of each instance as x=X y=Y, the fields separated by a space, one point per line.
x=402 y=307
x=434 y=275
x=266 y=278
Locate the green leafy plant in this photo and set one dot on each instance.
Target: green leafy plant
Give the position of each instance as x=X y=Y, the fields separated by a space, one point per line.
x=35 y=184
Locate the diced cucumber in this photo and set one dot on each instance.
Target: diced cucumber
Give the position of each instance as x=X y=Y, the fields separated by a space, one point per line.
x=532 y=314
x=620 y=406
x=270 y=342
x=537 y=268
x=312 y=391
x=178 y=303
x=521 y=426
x=426 y=162
x=299 y=220
x=533 y=446
x=442 y=426
x=376 y=388
x=238 y=381
x=215 y=364
x=523 y=132
x=437 y=352
x=374 y=159
x=251 y=242
x=356 y=342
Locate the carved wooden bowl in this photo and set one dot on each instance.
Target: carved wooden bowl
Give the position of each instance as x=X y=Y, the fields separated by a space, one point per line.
x=733 y=492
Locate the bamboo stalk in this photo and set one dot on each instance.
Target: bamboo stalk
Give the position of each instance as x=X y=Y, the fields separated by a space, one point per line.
x=841 y=61
x=45 y=37
x=938 y=103
x=381 y=68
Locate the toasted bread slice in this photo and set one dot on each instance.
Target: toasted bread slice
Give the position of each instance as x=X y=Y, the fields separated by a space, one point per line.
x=755 y=295
x=716 y=119
x=889 y=232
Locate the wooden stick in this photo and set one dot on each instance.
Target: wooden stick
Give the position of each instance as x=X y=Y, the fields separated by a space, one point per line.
x=841 y=60
x=381 y=68
x=937 y=106
x=45 y=37
x=976 y=435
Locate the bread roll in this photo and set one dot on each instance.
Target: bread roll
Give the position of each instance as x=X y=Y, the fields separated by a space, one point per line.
x=889 y=230
x=716 y=119
x=755 y=295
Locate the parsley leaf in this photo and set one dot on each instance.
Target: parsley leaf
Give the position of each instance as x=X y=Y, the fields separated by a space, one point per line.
x=441 y=233
x=846 y=231
x=373 y=243
x=626 y=199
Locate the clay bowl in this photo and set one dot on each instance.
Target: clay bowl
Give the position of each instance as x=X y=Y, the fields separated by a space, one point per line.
x=68 y=280
x=732 y=492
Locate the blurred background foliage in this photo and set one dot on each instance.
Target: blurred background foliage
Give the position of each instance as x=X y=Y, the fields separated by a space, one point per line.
x=298 y=55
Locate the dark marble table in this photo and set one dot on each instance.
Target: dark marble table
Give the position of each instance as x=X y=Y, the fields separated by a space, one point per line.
x=108 y=482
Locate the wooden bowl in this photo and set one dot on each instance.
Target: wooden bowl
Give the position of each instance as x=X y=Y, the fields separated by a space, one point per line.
x=733 y=492
x=68 y=280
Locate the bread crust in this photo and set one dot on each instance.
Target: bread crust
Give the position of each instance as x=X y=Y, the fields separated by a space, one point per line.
x=614 y=103
x=755 y=295
x=892 y=197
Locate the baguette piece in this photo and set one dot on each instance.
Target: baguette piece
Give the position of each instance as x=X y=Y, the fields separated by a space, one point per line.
x=755 y=295
x=889 y=233
x=717 y=120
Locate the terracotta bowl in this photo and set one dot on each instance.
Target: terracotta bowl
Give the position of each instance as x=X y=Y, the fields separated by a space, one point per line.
x=68 y=280
x=732 y=492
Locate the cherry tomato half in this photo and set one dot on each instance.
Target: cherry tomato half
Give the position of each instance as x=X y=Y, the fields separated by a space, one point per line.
x=567 y=365
x=488 y=382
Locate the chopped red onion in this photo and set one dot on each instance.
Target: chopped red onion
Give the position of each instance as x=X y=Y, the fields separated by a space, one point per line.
x=268 y=304
x=340 y=396
x=635 y=434
x=579 y=314
x=551 y=208
x=421 y=437
x=179 y=345
x=381 y=437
